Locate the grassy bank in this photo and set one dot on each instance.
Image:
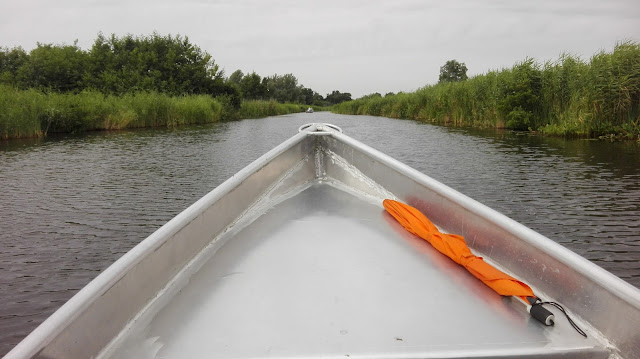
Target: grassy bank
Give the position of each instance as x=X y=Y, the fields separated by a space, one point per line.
x=258 y=108
x=31 y=113
x=567 y=97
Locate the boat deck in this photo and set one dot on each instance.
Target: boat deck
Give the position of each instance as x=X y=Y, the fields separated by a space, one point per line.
x=326 y=273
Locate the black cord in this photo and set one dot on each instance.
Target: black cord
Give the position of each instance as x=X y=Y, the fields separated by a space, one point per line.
x=573 y=324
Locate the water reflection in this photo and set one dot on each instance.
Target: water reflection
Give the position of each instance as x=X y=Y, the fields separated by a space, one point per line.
x=72 y=205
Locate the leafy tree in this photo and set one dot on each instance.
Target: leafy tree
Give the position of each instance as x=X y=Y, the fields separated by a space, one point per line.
x=153 y=63
x=389 y=94
x=166 y=64
x=453 y=71
x=10 y=63
x=318 y=100
x=55 y=67
x=252 y=87
x=306 y=95
x=236 y=77
x=228 y=93
x=282 y=88
x=336 y=97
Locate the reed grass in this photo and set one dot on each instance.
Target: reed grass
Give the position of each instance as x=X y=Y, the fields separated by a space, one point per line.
x=31 y=113
x=259 y=108
x=568 y=97
x=20 y=113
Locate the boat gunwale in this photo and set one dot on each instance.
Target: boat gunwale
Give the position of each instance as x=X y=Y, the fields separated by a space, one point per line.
x=33 y=344
x=599 y=275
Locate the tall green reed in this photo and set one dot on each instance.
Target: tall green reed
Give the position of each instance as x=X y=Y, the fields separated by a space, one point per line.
x=568 y=97
x=258 y=109
x=30 y=113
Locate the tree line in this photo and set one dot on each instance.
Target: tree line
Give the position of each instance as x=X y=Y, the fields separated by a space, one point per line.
x=282 y=88
x=165 y=64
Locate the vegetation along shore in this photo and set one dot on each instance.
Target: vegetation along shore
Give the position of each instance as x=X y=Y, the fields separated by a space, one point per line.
x=129 y=82
x=567 y=97
x=32 y=113
x=149 y=81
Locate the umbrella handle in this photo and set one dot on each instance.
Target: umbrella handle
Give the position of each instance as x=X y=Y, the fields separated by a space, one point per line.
x=541 y=314
x=537 y=311
x=546 y=317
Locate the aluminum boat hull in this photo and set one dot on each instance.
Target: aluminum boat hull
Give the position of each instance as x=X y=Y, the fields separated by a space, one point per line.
x=295 y=257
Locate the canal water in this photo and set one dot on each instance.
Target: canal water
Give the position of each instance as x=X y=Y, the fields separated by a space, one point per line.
x=70 y=206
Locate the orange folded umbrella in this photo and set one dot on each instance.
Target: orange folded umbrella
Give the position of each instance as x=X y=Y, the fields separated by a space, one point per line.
x=454 y=247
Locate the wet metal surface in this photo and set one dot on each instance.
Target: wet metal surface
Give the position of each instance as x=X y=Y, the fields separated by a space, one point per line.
x=326 y=274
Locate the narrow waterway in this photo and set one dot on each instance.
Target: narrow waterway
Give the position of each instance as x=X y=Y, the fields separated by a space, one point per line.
x=72 y=205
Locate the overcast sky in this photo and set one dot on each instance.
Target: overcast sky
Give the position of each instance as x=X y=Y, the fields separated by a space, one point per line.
x=359 y=46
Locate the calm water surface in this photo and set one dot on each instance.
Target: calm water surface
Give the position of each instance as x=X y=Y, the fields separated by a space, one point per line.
x=71 y=206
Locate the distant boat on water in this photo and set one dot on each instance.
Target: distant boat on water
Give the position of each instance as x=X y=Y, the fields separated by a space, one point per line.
x=310 y=110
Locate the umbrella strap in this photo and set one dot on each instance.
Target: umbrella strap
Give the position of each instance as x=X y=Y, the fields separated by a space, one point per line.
x=538 y=302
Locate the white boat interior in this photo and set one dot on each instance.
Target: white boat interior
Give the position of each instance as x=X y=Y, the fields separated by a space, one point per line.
x=295 y=257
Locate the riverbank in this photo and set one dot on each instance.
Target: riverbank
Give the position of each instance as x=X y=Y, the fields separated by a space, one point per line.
x=32 y=113
x=567 y=97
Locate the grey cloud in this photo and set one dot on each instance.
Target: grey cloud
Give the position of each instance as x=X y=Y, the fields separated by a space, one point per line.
x=355 y=46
